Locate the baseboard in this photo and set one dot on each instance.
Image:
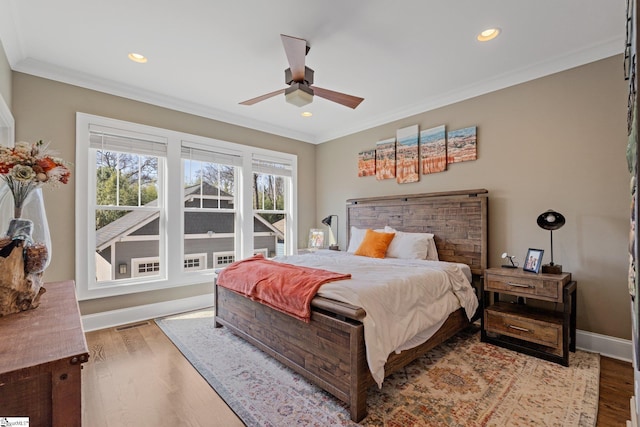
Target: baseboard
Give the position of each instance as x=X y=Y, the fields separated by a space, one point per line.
x=616 y=348
x=613 y=347
x=109 y=319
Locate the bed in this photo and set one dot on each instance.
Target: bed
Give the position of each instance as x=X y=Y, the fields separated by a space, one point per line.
x=330 y=350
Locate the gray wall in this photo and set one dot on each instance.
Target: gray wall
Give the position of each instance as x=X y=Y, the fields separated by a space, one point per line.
x=553 y=143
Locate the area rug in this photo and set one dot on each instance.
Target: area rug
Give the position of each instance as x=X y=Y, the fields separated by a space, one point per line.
x=462 y=382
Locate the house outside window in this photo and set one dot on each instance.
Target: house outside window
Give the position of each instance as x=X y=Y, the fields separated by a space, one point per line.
x=157 y=208
x=222 y=259
x=194 y=262
x=142 y=267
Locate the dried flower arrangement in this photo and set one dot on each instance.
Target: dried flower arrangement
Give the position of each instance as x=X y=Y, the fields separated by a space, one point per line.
x=27 y=166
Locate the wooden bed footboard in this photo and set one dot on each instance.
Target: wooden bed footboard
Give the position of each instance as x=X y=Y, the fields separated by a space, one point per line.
x=329 y=351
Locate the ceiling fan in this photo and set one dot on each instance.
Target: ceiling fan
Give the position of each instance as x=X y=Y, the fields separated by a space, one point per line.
x=300 y=79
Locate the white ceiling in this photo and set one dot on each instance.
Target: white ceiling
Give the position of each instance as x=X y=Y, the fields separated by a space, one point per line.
x=404 y=57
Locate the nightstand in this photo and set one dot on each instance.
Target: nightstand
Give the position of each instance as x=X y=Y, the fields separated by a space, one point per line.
x=541 y=319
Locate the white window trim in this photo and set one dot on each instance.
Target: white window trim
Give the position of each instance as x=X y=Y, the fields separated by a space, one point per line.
x=7 y=124
x=173 y=273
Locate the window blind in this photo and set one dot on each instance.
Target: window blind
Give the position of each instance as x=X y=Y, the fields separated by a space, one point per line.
x=104 y=138
x=273 y=166
x=192 y=151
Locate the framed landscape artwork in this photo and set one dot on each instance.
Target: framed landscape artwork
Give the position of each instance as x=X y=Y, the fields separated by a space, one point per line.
x=433 y=150
x=462 y=145
x=407 y=155
x=386 y=159
x=367 y=163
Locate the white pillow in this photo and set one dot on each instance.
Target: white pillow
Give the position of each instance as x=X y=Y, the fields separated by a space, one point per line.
x=432 y=253
x=412 y=245
x=356 y=238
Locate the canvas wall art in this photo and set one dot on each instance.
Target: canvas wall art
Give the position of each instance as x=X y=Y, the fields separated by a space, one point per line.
x=386 y=159
x=461 y=145
x=433 y=150
x=367 y=163
x=407 y=161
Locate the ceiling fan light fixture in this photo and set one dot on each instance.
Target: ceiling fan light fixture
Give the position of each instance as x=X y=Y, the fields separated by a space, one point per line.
x=299 y=94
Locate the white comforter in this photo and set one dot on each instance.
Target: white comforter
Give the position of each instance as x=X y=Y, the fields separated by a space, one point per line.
x=406 y=301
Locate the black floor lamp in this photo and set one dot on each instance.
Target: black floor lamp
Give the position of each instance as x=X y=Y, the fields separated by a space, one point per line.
x=333 y=244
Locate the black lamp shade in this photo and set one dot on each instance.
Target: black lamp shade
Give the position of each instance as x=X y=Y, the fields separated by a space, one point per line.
x=328 y=221
x=551 y=220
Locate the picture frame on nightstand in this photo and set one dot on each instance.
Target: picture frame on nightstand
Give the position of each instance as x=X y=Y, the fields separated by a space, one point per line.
x=316 y=239
x=533 y=260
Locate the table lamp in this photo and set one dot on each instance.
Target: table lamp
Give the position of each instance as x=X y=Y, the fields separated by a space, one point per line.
x=333 y=245
x=551 y=220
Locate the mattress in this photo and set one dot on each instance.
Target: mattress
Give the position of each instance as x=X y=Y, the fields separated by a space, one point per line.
x=405 y=301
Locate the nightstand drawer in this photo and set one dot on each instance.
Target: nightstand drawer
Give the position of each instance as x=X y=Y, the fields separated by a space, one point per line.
x=536 y=286
x=514 y=321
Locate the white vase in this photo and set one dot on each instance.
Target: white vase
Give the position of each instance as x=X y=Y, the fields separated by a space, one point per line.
x=33 y=210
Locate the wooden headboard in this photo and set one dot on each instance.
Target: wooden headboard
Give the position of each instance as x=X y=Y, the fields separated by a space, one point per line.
x=458 y=220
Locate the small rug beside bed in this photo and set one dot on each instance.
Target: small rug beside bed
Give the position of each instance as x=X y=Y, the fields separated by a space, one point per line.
x=462 y=382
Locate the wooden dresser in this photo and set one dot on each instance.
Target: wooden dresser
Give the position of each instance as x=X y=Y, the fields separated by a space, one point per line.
x=524 y=324
x=41 y=355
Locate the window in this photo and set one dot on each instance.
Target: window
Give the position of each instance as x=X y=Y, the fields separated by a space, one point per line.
x=193 y=262
x=209 y=199
x=263 y=251
x=151 y=204
x=222 y=259
x=145 y=267
x=271 y=178
x=127 y=174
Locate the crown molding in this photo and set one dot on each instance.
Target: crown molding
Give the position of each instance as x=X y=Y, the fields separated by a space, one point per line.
x=75 y=78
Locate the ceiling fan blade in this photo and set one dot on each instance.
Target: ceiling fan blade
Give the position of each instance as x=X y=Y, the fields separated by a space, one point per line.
x=341 y=98
x=296 y=50
x=262 y=97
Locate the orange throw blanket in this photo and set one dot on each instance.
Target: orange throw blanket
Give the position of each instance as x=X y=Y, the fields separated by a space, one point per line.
x=284 y=287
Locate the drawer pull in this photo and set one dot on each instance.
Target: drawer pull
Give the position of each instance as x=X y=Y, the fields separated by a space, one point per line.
x=518 y=328
x=520 y=285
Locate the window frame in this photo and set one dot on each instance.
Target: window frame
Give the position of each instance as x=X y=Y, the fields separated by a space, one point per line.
x=172 y=270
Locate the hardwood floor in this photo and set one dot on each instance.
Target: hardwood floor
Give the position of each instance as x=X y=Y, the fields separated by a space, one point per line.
x=137 y=377
x=616 y=388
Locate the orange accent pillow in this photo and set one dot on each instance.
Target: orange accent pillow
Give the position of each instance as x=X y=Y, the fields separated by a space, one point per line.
x=374 y=245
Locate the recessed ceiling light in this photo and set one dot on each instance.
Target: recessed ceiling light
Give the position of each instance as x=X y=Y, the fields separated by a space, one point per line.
x=306 y=114
x=488 y=34
x=136 y=57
